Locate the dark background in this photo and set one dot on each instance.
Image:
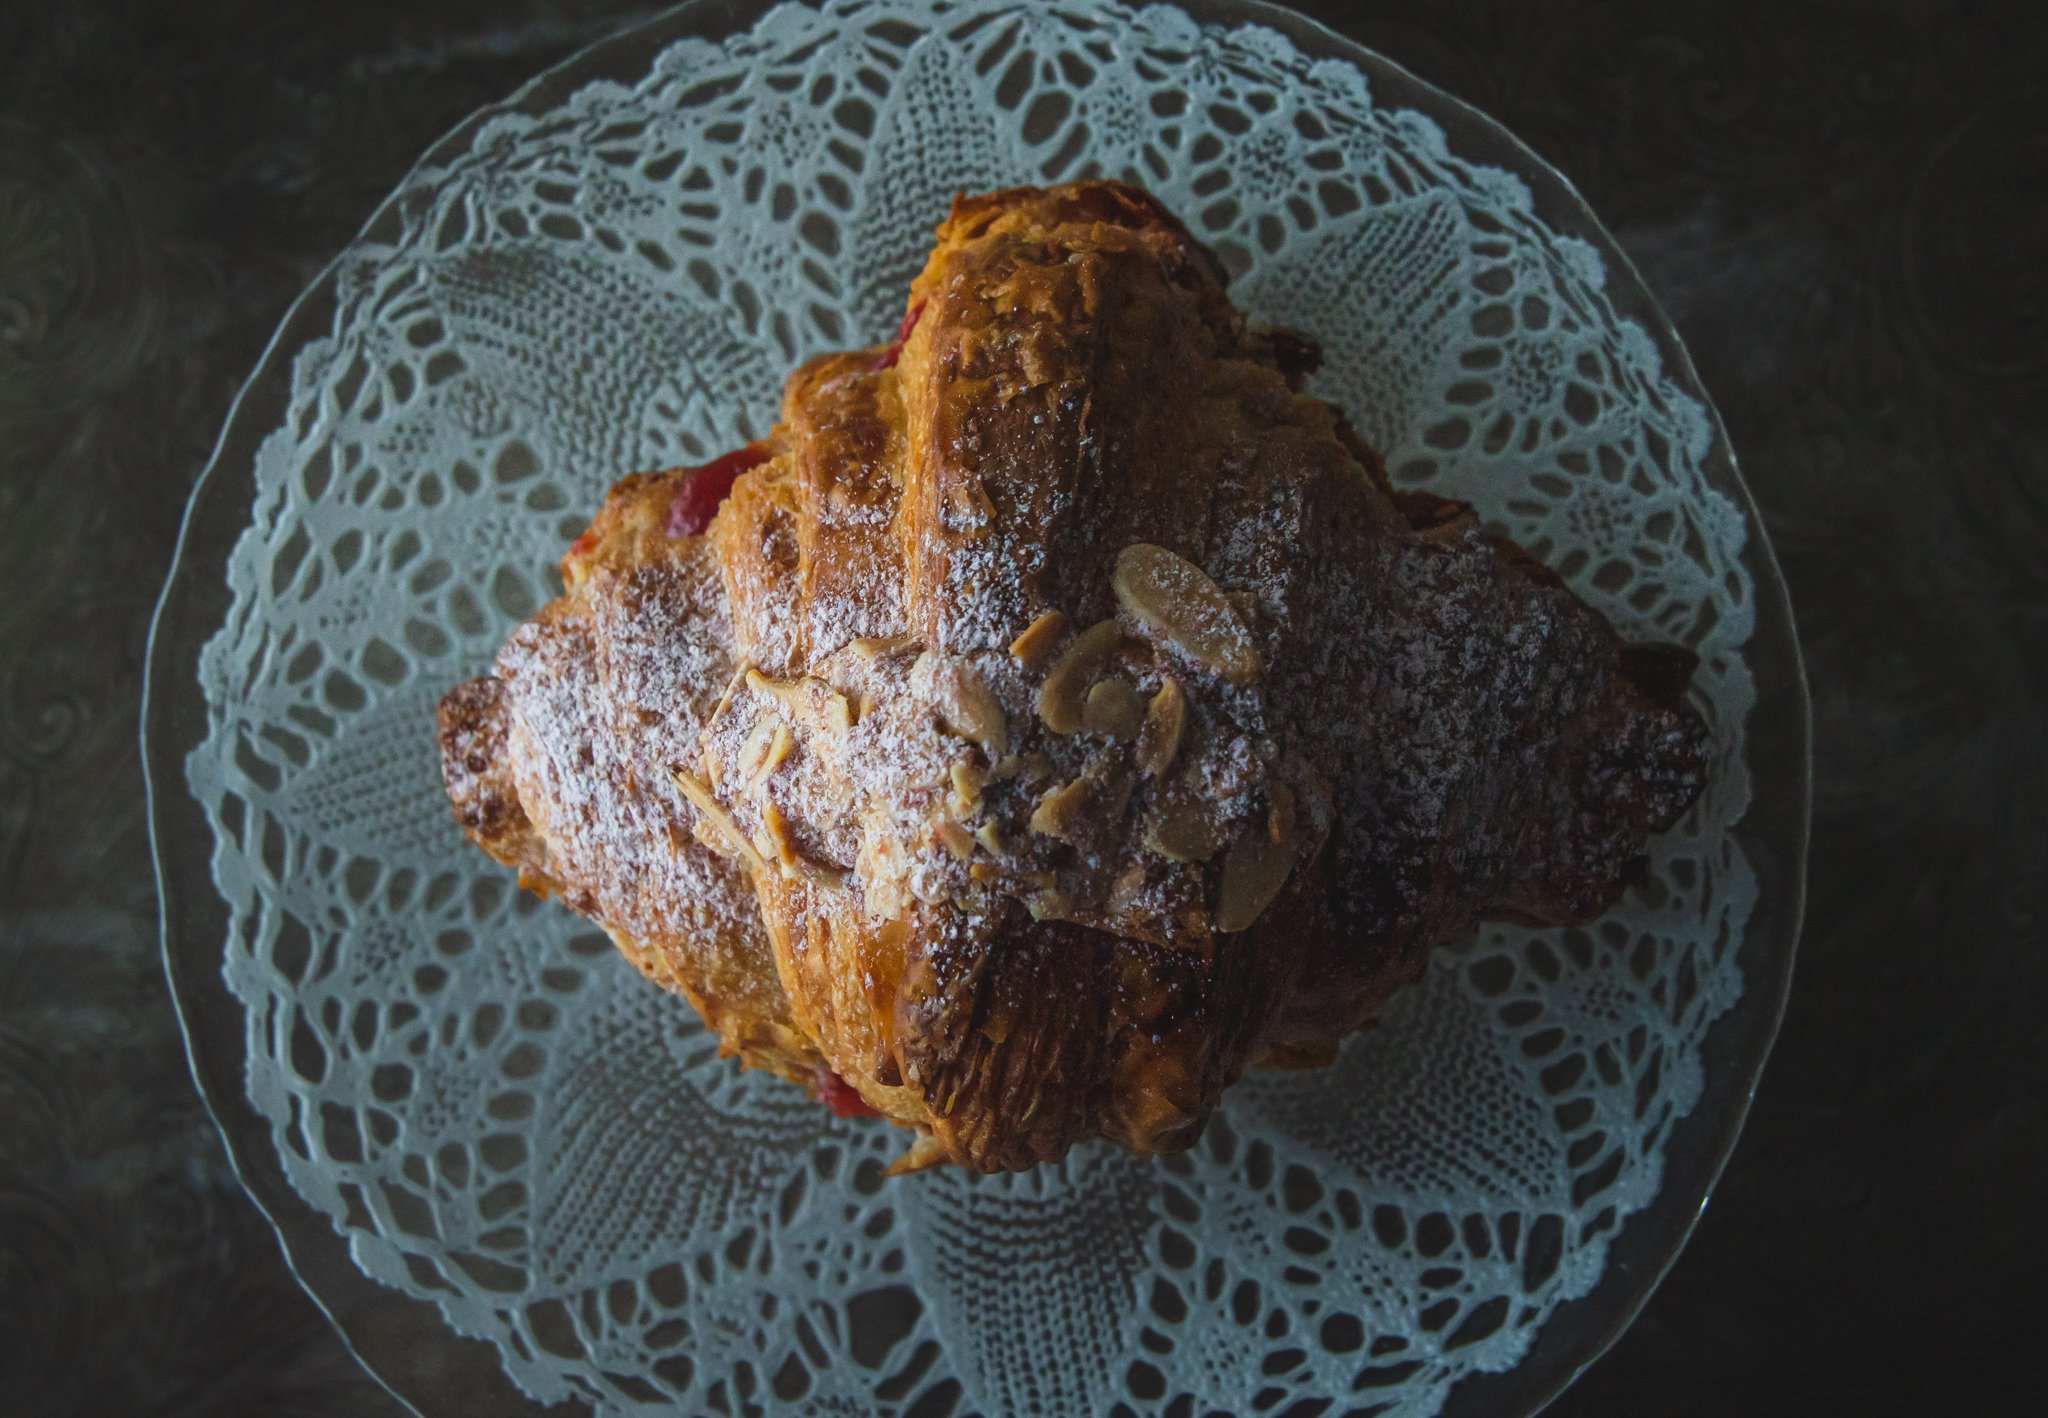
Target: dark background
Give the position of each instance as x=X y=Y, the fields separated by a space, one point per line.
x=1844 y=209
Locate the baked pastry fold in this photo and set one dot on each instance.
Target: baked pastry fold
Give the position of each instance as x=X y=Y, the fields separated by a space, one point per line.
x=1060 y=712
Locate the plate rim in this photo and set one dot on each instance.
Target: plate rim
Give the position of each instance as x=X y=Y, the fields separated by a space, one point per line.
x=1576 y=1333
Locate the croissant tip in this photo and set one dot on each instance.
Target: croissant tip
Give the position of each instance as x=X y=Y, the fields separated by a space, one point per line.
x=924 y=1154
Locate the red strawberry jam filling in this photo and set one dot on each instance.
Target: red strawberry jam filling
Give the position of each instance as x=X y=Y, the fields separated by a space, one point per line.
x=838 y=1095
x=704 y=488
x=888 y=357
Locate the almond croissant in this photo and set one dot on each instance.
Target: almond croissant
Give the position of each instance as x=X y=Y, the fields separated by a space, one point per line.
x=1058 y=712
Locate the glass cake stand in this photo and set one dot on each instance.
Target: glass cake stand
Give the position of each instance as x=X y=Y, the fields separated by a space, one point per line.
x=408 y=1337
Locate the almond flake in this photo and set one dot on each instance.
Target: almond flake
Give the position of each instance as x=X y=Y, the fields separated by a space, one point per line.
x=882 y=647
x=966 y=788
x=780 y=838
x=739 y=674
x=1123 y=892
x=1114 y=708
x=1031 y=648
x=755 y=747
x=1253 y=874
x=788 y=693
x=1063 y=810
x=838 y=713
x=754 y=751
x=1174 y=601
x=1165 y=720
x=714 y=840
x=1182 y=830
x=1048 y=904
x=808 y=701
x=718 y=819
x=954 y=838
x=1063 y=698
x=967 y=706
x=1094 y=800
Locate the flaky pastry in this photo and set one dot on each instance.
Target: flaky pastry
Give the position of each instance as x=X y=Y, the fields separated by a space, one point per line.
x=1058 y=712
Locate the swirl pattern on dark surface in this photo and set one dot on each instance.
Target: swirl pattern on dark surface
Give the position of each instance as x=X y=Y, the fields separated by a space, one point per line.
x=1840 y=207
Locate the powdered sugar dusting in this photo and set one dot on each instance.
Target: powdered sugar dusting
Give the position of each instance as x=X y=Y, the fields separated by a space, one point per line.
x=1425 y=692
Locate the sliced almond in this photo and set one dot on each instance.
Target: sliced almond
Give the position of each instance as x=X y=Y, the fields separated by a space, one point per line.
x=1031 y=648
x=838 y=712
x=788 y=693
x=754 y=748
x=967 y=706
x=1123 y=892
x=1174 y=601
x=966 y=788
x=1114 y=708
x=732 y=684
x=1165 y=720
x=781 y=839
x=766 y=748
x=1096 y=799
x=714 y=840
x=954 y=838
x=1253 y=874
x=1063 y=698
x=1049 y=904
x=1062 y=812
x=975 y=715
x=882 y=647
x=1183 y=829
x=718 y=819
x=808 y=701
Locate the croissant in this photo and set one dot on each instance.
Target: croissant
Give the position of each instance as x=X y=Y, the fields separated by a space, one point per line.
x=1059 y=712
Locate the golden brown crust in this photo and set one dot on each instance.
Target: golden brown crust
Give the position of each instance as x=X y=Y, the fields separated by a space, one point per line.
x=473 y=720
x=558 y=763
x=1064 y=713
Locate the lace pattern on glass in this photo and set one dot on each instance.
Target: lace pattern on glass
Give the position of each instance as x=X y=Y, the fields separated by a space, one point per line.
x=503 y=1118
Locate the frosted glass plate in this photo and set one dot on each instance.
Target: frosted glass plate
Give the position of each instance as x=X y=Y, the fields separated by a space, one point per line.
x=516 y=1175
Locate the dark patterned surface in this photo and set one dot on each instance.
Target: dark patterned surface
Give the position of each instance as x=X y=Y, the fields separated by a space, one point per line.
x=1845 y=210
